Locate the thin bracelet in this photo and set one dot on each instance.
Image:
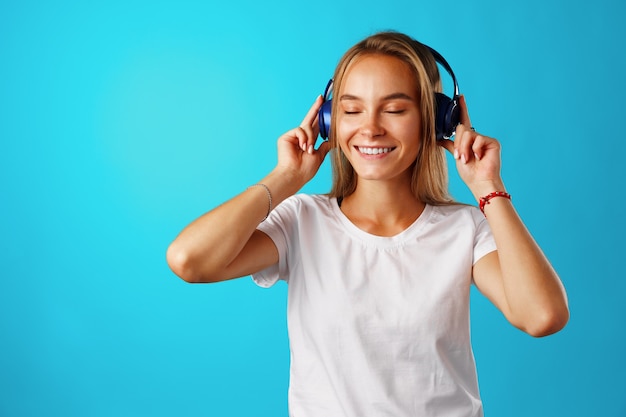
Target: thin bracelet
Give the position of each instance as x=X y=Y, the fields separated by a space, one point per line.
x=269 y=197
x=483 y=201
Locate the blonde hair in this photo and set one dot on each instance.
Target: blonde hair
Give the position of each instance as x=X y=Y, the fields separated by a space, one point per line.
x=429 y=181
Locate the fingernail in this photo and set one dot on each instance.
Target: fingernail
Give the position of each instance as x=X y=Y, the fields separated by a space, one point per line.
x=477 y=157
x=456 y=153
x=310 y=149
x=463 y=160
x=303 y=147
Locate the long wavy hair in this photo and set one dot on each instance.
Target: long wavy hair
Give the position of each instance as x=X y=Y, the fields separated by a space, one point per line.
x=429 y=182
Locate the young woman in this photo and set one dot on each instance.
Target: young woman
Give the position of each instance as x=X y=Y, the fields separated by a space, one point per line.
x=379 y=271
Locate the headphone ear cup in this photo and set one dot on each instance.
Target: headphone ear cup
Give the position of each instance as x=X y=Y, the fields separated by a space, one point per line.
x=324 y=118
x=447 y=116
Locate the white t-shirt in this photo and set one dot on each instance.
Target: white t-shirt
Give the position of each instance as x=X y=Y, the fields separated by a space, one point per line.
x=378 y=326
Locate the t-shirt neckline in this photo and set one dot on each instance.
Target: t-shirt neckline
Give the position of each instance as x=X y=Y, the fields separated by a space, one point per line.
x=405 y=235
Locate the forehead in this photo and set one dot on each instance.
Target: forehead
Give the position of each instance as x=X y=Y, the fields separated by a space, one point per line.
x=377 y=73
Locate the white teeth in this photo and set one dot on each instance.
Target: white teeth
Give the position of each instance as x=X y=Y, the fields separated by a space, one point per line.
x=373 y=151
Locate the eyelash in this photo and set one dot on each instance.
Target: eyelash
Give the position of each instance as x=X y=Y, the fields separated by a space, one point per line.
x=387 y=111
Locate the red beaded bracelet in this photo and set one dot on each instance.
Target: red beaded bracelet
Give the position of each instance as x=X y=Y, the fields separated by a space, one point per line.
x=485 y=200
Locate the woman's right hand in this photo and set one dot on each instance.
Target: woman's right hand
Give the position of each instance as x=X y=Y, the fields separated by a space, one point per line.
x=297 y=155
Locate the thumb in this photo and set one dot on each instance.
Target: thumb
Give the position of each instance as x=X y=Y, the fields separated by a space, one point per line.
x=324 y=148
x=447 y=144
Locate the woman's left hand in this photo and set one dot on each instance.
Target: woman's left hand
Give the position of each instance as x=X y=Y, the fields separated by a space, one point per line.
x=477 y=156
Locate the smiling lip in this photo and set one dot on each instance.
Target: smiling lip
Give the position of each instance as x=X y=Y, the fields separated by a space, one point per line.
x=370 y=151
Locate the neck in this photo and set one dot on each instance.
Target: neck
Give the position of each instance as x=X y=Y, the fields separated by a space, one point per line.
x=382 y=208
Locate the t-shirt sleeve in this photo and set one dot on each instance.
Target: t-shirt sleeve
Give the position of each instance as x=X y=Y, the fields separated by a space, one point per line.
x=484 y=242
x=278 y=226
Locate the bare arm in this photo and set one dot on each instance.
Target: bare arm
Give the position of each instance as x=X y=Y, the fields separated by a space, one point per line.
x=224 y=243
x=517 y=278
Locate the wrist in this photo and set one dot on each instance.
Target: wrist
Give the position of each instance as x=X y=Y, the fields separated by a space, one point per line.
x=486 y=199
x=480 y=190
x=282 y=183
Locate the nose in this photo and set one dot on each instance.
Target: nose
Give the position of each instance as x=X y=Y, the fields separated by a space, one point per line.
x=371 y=126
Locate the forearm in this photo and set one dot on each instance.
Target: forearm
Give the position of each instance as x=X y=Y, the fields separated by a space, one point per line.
x=211 y=242
x=535 y=297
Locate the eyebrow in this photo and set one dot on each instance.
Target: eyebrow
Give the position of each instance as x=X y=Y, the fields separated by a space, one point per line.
x=393 y=96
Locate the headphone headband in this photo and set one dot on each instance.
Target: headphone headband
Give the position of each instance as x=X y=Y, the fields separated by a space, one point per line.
x=442 y=61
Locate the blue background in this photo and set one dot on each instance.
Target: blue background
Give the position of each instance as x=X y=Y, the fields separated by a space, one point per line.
x=121 y=121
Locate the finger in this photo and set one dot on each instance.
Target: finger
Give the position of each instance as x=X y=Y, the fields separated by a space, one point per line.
x=311 y=117
x=309 y=138
x=464 y=114
x=304 y=139
x=297 y=136
x=463 y=144
x=310 y=125
x=478 y=146
x=459 y=141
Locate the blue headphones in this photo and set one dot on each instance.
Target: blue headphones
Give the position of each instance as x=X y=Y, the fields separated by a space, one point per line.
x=447 y=113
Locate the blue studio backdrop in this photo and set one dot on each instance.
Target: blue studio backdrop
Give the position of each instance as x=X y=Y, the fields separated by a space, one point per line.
x=122 y=121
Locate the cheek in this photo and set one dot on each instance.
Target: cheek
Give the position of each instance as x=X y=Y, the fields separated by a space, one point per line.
x=412 y=130
x=345 y=126
x=345 y=130
x=344 y=147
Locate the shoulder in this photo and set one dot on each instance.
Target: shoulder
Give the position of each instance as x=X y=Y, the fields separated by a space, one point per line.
x=299 y=207
x=458 y=210
x=300 y=202
x=453 y=213
x=298 y=215
x=466 y=225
